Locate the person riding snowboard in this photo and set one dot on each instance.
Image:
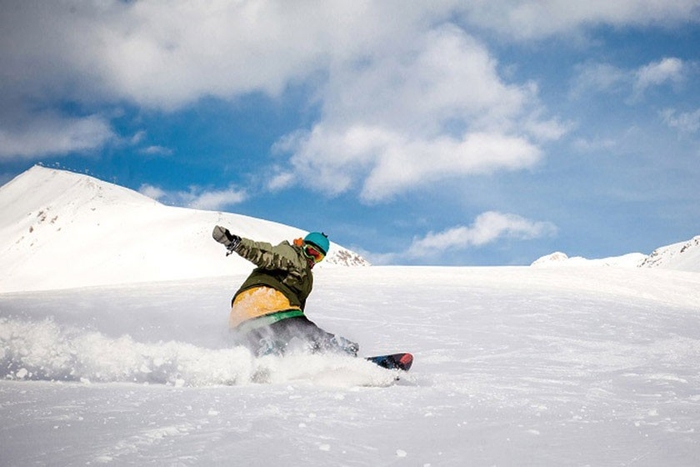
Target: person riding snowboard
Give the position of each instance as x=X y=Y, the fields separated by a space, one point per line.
x=267 y=311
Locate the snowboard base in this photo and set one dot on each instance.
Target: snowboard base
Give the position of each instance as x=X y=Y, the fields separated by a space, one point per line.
x=396 y=361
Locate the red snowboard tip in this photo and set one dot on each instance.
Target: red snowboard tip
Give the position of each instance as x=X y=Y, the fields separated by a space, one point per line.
x=406 y=361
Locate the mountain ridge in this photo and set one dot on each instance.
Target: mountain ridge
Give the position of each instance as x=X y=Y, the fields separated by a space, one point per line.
x=61 y=230
x=681 y=256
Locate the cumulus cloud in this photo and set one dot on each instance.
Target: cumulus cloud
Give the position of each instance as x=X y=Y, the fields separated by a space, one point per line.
x=50 y=133
x=390 y=161
x=196 y=197
x=487 y=228
x=168 y=53
x=436 y=109
x=406 y=94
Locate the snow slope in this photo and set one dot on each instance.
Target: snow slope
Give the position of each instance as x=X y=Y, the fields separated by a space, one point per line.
x=558 y=258
x=60 y=230
x=682 y=256
x=514 y=366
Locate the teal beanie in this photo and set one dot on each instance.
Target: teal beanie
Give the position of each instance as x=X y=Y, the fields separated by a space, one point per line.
x=319 y=240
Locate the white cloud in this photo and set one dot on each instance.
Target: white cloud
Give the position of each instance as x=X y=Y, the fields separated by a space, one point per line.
x=487 y=228
x=51 y=133
x=666 y=70
x=156 y=151
x=534 y=19
x=595 y=144
x=603 y=77
x=433 y=110
x=406 y=96
x=280 y=180
x=153 y=192
x=599 y=77
x=196 y=198
x=168 y=53
x=687 y=122
x=215 y=200
x=388 y=162
x=138 y=137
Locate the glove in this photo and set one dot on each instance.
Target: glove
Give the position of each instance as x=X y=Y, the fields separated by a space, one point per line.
x=345 y=345
x=226 y=238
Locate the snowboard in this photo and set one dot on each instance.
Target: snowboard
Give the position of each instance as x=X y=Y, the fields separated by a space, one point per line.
x=396 y=361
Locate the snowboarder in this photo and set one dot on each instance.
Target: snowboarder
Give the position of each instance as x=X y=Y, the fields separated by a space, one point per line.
x=267 y=311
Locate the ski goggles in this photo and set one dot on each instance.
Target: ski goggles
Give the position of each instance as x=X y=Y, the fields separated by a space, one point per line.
x=313 y=252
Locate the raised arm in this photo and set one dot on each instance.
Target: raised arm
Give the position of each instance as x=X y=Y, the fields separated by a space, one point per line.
x=262 y=254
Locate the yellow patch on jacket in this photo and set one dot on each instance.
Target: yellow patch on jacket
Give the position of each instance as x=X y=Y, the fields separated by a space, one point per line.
x=256 y=302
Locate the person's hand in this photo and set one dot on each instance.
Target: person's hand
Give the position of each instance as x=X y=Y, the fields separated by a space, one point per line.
x=226 y=238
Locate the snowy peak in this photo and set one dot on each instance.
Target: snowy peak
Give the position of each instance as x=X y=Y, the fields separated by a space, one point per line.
x=683 y=256
x=62 y=230
x=44 y=188
x=555 y=258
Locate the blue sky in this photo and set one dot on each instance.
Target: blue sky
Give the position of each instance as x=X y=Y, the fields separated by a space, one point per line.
x=446 y=132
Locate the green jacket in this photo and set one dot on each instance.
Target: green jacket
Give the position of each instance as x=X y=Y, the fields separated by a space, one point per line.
x=282 y=267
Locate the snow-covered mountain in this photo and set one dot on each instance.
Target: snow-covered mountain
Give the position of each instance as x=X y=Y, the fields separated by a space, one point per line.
x=60 y=229
x=562 y=259
x=682 y=256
